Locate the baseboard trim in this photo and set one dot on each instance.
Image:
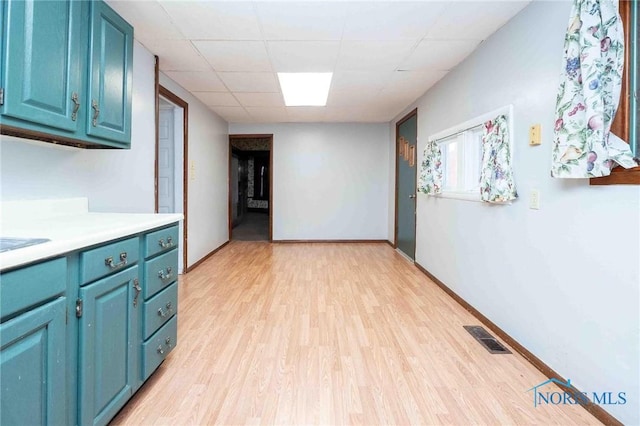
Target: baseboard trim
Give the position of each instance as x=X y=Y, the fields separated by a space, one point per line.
x=393 y=246
x=327 y=241
x=595 y=410
x=199 y=262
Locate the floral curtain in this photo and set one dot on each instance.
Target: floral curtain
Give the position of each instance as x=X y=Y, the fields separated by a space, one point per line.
x=430 y=180
x=496 y=174
x=589 y=93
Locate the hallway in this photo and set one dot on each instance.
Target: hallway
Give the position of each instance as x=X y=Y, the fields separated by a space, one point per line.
x=254 y=227
x=331 y=334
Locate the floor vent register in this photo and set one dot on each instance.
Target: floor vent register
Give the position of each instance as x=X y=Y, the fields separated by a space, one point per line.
x=487 y=340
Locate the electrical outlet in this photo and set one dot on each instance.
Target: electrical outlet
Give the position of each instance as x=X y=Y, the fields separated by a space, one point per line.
x=534 y=135
x=534 y=199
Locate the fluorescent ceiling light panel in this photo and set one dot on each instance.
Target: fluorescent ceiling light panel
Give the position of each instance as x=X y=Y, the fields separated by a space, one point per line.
x=305 y=88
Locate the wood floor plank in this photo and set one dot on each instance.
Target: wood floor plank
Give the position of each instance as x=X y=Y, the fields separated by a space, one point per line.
x=330 y=334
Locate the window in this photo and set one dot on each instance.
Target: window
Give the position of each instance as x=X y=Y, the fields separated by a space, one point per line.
x=626 y=123
x=461 y=158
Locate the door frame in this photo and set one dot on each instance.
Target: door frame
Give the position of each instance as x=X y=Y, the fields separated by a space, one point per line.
x=410 y=115
x=175 y=99
x=256 y=136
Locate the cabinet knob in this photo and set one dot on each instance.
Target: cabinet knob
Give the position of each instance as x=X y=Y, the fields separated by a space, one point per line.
x=168 y=341
x=165 y=276
x=112 y=265
x=160 y=350
x=168 y=244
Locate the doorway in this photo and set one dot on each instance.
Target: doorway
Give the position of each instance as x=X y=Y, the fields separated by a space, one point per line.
x=406 y=159
x=171 y=159
x=250 y=187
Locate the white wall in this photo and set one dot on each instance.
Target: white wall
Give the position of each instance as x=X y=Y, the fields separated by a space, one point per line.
x=330 y=181
x=563 y=280
x=208 y=155
x=113 y=180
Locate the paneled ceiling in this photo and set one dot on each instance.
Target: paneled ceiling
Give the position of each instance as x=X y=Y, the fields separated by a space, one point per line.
x=384 y=55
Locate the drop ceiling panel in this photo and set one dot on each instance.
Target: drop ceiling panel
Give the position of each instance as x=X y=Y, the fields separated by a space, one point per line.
x=373 y=55
x=214 y=20
x=196 y=81
x=150 y=20
x=302 y=20
x=390 y=20
x=250 y=81
x=473 y=20
x=235 y=55
x=268 y=114
x=232 y=114
x=440 y=55
x=217 y=98
x=351 y=98
x=306 y=114
x=303 y=56
x=260 y=99
x=177 y=55
x=360 y=80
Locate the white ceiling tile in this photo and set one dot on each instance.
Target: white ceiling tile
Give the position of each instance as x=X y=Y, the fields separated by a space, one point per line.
x=439 y=54
x=235 y=55
x=250 y=81
x=303 y=56
x=414 y=82
x=360 y=80
x=216 y=98
x=306 y=114
x=148 y=18
x=302 y=20
x=260 y=99
x=268 y=114
x=198 y=81
x=473 y=20
x=232 y=114
x=352 y=98
x=177 y=55
x=356 y=115
x=373 y=55
x=214 y=20
x=390 y=20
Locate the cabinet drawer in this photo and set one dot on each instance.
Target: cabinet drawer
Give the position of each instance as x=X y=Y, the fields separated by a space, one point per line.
x=160 y=272
x=160 y=241
x=30 y=285
x=159 y=309
x=156 y=349
x=102 y=261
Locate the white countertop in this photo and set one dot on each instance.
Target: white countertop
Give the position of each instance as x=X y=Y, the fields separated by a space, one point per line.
x=69 y=229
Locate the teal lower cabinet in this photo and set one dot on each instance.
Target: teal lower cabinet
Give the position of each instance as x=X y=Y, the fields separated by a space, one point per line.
x=108 y=333
x=81 y=333
x=32 y=366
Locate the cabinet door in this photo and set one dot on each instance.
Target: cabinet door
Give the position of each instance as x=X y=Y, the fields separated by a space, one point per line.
x=42 y=69
x=110 y=75
x=108 y=330
x=32 y=367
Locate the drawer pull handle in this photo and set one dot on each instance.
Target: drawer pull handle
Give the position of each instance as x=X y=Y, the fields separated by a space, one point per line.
x=168 y=341
x=160 y=350
x=96 y=112
x=138 y=289
x=168 y=244
x=123 y=261
x=165 y=276
x=163 y=314
x=76 y=106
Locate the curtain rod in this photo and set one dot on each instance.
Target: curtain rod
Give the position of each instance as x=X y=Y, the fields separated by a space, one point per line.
x=458 y=132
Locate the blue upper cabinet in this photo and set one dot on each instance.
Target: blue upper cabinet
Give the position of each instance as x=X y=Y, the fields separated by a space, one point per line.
x=67 y=71
x=42 y=78
x=110 y=75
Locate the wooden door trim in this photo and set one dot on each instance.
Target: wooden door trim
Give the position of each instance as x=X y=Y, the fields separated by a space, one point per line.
x=253 y=136
x=407 y=117
x=175 y=99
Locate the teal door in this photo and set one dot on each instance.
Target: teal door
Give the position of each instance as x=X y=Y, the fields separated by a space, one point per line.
x=32 y=367
x=41 y=78
x=406 y=139
x=110 y=75
x=107 y=343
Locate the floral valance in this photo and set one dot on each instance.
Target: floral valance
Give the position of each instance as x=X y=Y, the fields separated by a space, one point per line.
x=496 y=174
x=430 y=179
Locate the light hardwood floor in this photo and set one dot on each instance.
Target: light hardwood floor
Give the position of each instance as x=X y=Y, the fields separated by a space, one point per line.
x=330 y=334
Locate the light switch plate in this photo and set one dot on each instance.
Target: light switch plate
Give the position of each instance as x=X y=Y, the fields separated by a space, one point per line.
x=534 y=199
x=534 y=135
